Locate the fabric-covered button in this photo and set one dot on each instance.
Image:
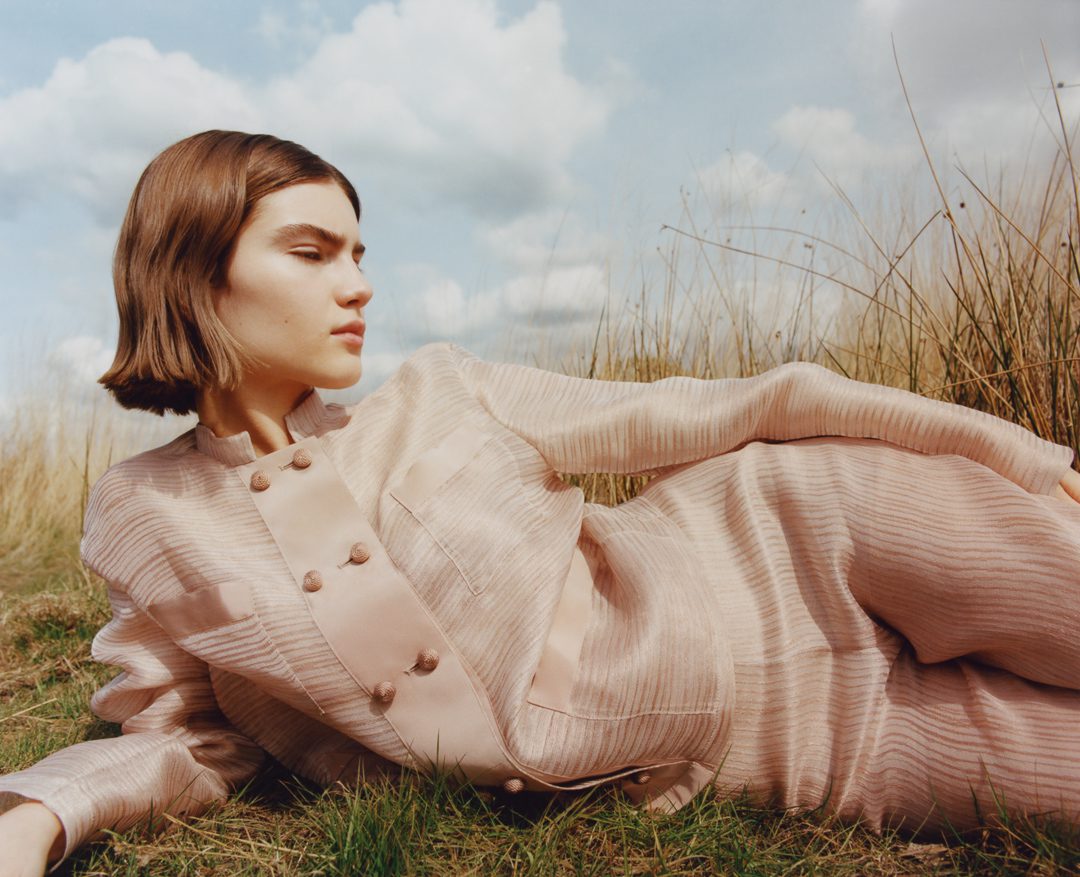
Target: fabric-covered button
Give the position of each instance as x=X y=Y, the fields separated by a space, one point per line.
x=427 y=659
x=384 y=692
x=302 y=458
x=260 y=479
x=358 y=553
x=312 y=580
x=514 y=785
x=643 y=778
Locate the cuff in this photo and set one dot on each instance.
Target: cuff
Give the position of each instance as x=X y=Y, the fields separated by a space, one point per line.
x=113 y=783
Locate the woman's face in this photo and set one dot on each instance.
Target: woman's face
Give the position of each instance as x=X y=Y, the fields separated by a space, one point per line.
x=294 y=289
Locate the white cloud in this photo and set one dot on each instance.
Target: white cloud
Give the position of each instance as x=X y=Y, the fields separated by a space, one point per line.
x=447 y=100
x=745 y=180
x=437 y=98
x=544 y=239
x=305 y=24
x=561 y=295
x=434 y=307
x=449 y=313
x=271 y=26
x=92 y=126
x=974 y=70
x=556 y=274
x=85 y=357
x=953 y=53
x=441 y=309
x=829 y=138
x=558 y=268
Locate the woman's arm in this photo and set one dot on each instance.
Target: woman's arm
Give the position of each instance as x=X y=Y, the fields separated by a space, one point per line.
x=30 y=837
x=582 y=425
x=177 y=753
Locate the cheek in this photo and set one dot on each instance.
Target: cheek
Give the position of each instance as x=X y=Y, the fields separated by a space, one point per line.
x=241 y=316
x=262 y=307
x=227 y=310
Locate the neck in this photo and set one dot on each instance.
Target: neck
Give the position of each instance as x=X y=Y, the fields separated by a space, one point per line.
x=256 y=409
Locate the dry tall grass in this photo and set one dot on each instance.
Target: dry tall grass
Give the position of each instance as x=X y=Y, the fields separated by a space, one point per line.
x=972 y=303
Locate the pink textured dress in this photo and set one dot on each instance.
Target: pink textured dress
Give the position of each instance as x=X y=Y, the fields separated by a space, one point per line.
x=830 y=592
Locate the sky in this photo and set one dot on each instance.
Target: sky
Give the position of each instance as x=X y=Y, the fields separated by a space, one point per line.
x=517 y=160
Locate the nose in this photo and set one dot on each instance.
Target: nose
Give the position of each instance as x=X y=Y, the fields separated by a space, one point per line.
x=355 y=289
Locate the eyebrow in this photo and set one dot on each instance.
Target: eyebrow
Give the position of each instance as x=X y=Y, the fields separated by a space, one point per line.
x=295 y=230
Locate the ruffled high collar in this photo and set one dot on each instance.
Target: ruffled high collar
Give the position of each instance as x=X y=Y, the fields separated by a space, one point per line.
x=311 y=416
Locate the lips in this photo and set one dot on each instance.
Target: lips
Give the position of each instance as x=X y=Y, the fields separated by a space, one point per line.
x=355 y=327
x=351 y=333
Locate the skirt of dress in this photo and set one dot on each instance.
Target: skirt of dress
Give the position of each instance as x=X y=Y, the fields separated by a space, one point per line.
x=905 y=629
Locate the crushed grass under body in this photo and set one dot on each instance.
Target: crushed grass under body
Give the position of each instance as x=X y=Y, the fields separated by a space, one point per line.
x=281 y=825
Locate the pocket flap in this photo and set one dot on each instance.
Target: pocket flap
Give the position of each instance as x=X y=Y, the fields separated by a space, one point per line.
x=436 y=465
x=203 y=609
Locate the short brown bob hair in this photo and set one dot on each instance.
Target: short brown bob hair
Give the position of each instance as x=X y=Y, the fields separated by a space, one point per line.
x=177 y=237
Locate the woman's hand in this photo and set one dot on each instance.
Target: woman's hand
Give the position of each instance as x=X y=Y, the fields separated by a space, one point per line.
x=27 y=835
x=1069 y=488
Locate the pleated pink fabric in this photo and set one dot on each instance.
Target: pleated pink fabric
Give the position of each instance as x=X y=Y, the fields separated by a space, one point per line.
x=830 y=592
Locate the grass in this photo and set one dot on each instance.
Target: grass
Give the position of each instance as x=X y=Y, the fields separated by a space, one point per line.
x=280 y=825
x=972 y=300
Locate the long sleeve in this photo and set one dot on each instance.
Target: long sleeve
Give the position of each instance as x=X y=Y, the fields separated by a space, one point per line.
x=581 y=425
x=177 y=753
x=327 y=756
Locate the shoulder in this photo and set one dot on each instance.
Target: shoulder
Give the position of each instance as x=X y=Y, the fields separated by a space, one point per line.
x=143 y=470
x=129 y=491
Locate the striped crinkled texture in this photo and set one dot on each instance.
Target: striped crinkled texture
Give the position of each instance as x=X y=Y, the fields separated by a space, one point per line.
x=709 y=629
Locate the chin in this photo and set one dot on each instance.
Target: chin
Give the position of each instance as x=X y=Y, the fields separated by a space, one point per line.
x=339 y=382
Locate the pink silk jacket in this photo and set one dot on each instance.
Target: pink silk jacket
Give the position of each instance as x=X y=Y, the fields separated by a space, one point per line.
x=410 y=583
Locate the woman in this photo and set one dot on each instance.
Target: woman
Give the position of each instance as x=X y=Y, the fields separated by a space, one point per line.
x=832 y=591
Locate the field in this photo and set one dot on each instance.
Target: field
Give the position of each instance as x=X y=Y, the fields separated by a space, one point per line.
x=970 y=299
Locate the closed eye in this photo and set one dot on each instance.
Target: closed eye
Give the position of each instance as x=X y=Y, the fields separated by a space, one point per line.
x=310 y=255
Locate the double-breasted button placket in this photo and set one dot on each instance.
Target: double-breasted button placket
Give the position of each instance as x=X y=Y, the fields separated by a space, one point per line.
x=371 y=616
